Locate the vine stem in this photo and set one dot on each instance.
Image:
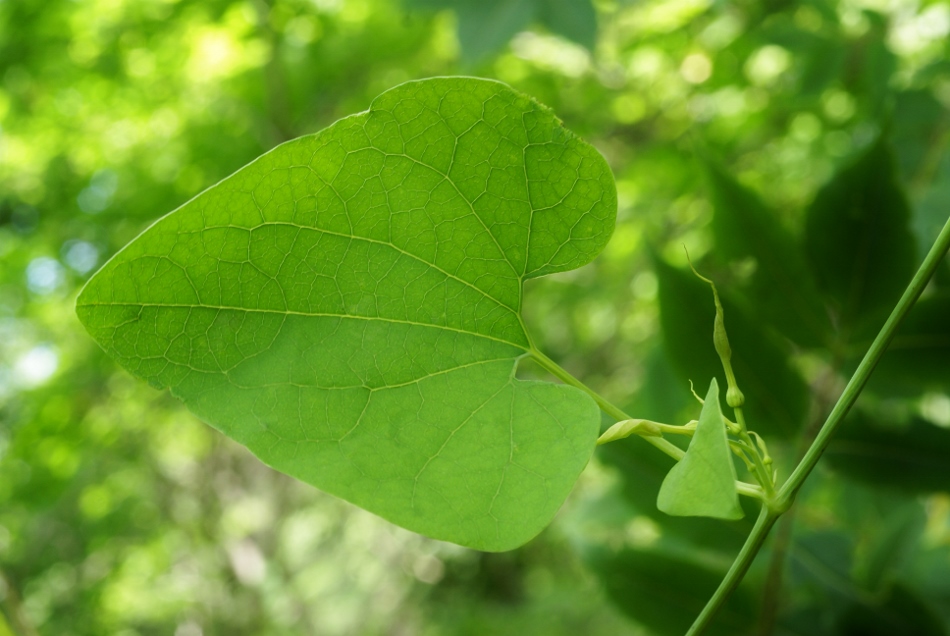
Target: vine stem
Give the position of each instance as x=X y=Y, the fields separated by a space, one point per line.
x=664 y=445
x=677 y=453
x=773 y=508
x=764 y=522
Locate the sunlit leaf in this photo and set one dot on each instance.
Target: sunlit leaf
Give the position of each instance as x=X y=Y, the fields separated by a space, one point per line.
x=702 y=484
x=348 y=307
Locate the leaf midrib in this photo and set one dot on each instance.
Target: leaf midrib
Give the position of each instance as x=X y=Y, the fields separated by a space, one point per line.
x=288 y=312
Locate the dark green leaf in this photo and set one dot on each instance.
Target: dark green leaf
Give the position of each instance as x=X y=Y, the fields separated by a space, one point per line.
x=893 y=541
x=914 y=457
x=486 y=26
x=774 y=393
x=347 y=307
x=575 y=20
x=918 y=358
x=901 y=613
x=666 y=592
x=819 y=568
x=781 y=289
x=859 y=241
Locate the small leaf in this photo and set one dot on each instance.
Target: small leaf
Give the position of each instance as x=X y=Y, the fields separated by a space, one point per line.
x=348 y=307
x=775 y=395
x=913 y=458
x=641 y=468
x=859 y=241
x=781 y=288
x=703 y=483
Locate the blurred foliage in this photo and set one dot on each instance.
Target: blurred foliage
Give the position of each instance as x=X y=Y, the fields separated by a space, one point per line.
x=765 y=137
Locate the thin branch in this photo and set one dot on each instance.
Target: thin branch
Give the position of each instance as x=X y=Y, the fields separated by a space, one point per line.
x=776 y=506
x=740 y=566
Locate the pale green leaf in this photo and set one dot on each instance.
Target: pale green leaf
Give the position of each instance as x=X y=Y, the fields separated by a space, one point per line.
x=703 y=483
x=348 y=307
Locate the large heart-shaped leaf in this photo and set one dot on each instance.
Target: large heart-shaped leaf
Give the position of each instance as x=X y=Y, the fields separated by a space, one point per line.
x=348 y=307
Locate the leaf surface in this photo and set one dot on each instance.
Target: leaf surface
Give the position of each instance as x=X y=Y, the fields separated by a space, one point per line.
x=347 y=306
x=859 y=243
x=917 y=358
x=486 y=26
x=913 y=458
x=703 y=483
x=781 y=288
x=665 y=590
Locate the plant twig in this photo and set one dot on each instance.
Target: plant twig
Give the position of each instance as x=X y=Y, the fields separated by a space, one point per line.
x=555 y=369
x=773 y=579
x=774 y=507
x=753 y=543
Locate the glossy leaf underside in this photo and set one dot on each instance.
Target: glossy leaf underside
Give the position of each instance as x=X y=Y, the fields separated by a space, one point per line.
x=347 y=306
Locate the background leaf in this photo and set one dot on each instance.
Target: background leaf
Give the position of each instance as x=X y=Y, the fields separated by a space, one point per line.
x=781 y=288
x=911 y=457
x=918 y=358
x=576 y=20
x=664 y=591
x=486 y=26
x=347 y=307
x=900 y=612
x=859 y=243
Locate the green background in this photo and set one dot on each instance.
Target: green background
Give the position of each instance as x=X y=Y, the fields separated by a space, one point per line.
x=723 y=122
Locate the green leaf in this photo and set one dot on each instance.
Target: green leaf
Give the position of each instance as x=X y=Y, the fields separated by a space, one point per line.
x=901 y=611
x=486 y=26
x=575 y=20
x=859 y=241
x=703 y=483
x=348 y=307
x=665 y=591
x=913 y=457
x=781 y=287
x=892 y=543
x=917 y=358
x=775 y=395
